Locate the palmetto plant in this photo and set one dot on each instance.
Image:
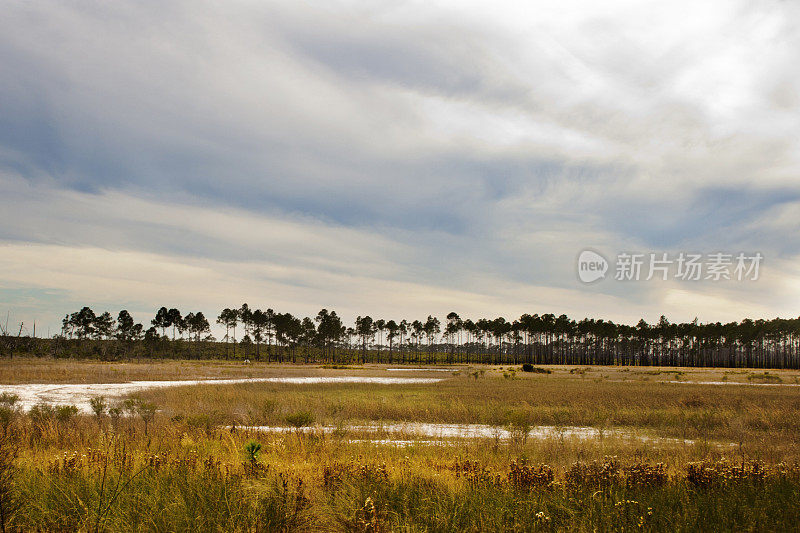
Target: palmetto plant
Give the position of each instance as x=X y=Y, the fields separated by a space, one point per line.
x=252 y=450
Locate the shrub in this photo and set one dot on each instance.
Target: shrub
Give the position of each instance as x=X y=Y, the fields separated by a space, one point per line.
x=8 y=410
x=65 y=413
x=766 y=377
x=199 y=421
x=519 y=425
x=8 y=399
x=300 y=419
x=98 y=404
x=524 y=477
x=41 y=413
x=580 y=371
x=593 y=475
x=146 y=411
x=527 y=367
x=115 y=413
x=129 y=406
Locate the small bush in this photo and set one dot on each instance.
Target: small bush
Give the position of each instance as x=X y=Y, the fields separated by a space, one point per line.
x=129 y=406
x=525 y=477
x=8 y=410
x=115 y=413
x=594 y=475
x=41 y=413
x=580 y=371
x=527 y=367
x=65 y=413
x=146 y=411
x=8 y=399
x=98 y=404
x=766 y=377
x=300 y=419
x=519 y=425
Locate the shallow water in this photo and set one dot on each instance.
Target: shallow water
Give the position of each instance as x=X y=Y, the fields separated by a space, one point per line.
x=400 y=443
x=442 y=432
x=79 y=394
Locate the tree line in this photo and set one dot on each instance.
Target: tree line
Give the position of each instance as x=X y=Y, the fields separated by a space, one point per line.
x=538 y=339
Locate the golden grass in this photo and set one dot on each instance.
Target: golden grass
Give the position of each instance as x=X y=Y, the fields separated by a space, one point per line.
x=764 y=421
x=744 y=452
x=49 y=370
x=46 y=370
x=327 y=483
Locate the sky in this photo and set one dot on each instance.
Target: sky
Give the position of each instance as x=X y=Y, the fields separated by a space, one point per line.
x=396 y=159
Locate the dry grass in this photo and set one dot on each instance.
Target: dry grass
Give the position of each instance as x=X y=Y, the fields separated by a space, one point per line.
x=48 y=370
x=743 y=455
x=83 y=475
x=45 y=370
x=762 y=421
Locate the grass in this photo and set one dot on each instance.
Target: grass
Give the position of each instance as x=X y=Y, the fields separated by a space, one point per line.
x=764 y=377
x=746 y=415
x=46 y=370
x=205 y=482
x=62 y=471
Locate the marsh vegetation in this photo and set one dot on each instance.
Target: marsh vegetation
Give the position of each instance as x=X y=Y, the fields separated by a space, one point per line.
x=661 y=455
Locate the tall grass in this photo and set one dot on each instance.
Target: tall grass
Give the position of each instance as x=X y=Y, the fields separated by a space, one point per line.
x=178 y=465
x=745 y=415
x=178 y=479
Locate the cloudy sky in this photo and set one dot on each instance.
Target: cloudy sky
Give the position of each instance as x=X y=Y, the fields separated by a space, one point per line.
x=397 y=159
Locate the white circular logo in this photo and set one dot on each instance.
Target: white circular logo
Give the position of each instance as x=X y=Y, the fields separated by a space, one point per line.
x=591 y=266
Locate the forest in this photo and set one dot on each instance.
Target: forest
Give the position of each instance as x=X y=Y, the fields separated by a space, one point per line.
x=266 y=335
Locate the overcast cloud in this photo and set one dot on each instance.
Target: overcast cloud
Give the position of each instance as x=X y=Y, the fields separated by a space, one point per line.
x=395 y=158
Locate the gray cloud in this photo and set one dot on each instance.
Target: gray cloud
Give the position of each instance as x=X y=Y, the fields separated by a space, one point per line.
x=465 y=150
